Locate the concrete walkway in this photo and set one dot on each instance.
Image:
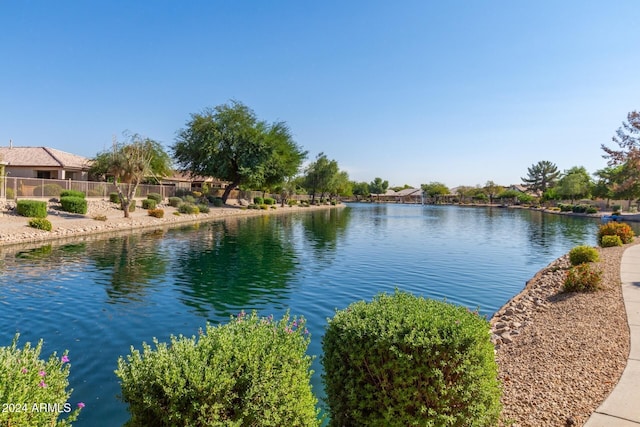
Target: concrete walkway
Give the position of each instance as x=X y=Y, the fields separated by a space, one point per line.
x=622 y=407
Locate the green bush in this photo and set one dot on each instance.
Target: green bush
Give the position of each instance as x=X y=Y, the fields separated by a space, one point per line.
x=149 y=204
x=74 y=204
x=72 y=193
x=565 y=207
x=582 y=254
x=592 y=210
x=26 y=382
x=196 y=194
x=188 y=208
x=189 y=199
x=258 y=201
x=402 y=360
x=32 y=208
x=155 y=196
x=582 y=278
x=292 y=202
x=250 y=372
x=40 y=224
x=253 y=207
x=269 y=201
x=333 y=203
x=217 y=202
x=616 y=208
x=619 y=229
x=175 y=201
x=203 y=208
x=158 y=213
x=263 y=207
x=609 y=241
x=47 y=190
x=114 y=197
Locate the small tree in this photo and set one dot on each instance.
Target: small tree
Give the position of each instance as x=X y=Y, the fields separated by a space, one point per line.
x=435 y=190
x=129 y=163
x=575 y=183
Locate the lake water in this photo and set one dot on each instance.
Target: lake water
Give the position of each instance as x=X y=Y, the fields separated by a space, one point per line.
x=97 y=298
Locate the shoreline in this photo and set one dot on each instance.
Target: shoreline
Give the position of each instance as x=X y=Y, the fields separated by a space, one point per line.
x=15 y=231
x=561 y=354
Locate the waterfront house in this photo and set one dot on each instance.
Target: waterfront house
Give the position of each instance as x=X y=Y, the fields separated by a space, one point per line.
x=44 y=163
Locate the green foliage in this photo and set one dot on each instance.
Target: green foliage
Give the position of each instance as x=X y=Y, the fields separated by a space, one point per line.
x=72 y=193
x=582 y=254
x=435 y=190
x=378 y=186
x=40 y=224
x=32 y=208
x=592 y=210
x=582 y=278
x=155 y=196
x=100 y=217
x=320 y=175
x=74 y=204
x=196 y=194
x=263 y=207
x=541 y=176
x=188 y=208
x=609 y=241
x=565 y=207
x=175 y=201
x=26 y=380
x=575 y=183
x=157 y=213
x=579 y=208
x=620 y=229
x=230 y=143
x=292 y=202
x=189 y=198
x=269 y=201
x=47 y=190
x=10 y=194
x=217 y=202
x=258 y=200
x=149 y=204
x=402 y=360
x=253 y=206
x=204 y=208
x=114 y=197
x=250 y=372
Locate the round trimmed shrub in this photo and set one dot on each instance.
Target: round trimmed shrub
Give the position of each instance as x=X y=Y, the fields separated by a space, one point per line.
x=203 y=208
x=72 y=193
x=114 y=197
x=74 y=204
x=149 y=204
x=32 y=208
x=250 y=372
x=269 y=201
x=175 y=201
x=217 y=202
x=292 y=202
x=40 y=224
x=582 y=278
x=582 y=254
x=609 y=241
x=188 y=208
x=258 y=201
x=619 y=229
x=155 y=196
x=403 y=360
x=263 y=207
x=157 y=213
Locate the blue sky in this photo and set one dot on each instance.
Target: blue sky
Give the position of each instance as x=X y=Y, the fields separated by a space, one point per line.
x=413 y=91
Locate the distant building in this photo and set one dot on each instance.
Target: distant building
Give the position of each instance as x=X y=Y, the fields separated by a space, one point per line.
x=44 y=163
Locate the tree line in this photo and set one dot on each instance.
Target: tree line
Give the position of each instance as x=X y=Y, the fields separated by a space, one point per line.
x=227 y=142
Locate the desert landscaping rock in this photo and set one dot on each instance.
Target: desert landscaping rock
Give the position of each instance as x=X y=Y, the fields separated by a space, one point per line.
x=561 y=354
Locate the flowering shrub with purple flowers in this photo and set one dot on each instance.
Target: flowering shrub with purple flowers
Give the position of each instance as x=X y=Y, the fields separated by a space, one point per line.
x=34 y=392
x=402 y=360
x=251 y=371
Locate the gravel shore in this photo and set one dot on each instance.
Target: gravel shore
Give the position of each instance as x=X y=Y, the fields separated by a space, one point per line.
x=561 y=354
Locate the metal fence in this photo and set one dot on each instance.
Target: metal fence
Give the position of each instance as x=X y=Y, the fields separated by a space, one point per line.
x=20 y=188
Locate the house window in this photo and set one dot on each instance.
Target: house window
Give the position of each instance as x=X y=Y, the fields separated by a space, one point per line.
x=43 y=174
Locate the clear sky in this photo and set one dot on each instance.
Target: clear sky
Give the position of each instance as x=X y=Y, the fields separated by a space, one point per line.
x=412 y=91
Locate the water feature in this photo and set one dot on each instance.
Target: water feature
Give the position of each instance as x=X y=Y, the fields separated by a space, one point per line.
x=99 y=297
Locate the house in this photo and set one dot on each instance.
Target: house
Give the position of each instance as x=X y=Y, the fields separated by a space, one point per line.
x=44 y=163
x=184 y=180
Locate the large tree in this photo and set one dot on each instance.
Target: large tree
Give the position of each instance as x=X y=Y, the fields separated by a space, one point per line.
x=541 y=176
x=129 y=163
x=228 y=142
x=360 y=189
x=435 y=190
x=319 y=176
x=576 y=182
x=378 y=186
x=628 y=140
x=492 y=189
